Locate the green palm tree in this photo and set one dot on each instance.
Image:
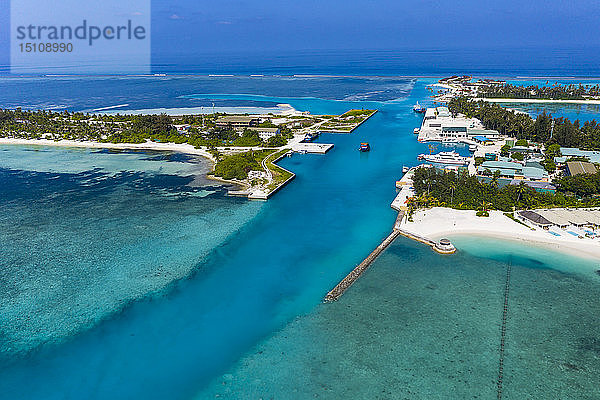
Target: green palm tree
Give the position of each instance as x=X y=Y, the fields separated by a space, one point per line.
x=521 y=188
x=495 y=178
x=452 y=189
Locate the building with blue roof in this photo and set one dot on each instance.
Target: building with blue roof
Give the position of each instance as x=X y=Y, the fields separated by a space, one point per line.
x=560 y=160
x=534 y=174
x=514 y=170
x=481 y=139
x=592 y=155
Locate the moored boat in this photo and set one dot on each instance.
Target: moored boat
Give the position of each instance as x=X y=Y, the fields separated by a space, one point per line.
x=449 y=140
x=309 y=137
x=448 y=157
x=419 y=109
x=416 y=131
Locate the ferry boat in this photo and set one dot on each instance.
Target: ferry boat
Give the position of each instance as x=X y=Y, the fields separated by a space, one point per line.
x=419 y=109
x=364 y=147
x=448 y=157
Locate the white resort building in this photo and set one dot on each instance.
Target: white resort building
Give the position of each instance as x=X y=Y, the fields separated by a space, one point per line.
x=440 y=125
x=266 y=133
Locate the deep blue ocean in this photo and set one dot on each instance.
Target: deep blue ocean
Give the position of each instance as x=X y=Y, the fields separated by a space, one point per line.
x=128 y=275
x=524 y=61
x=550 y=61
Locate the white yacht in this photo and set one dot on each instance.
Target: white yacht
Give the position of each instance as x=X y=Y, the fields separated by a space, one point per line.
x=449 y=140
x=448 y=157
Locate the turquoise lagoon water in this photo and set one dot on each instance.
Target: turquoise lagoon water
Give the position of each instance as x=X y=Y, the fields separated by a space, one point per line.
x=85 y=232
x=136 y=279
x=419 y=325
x=581 y=112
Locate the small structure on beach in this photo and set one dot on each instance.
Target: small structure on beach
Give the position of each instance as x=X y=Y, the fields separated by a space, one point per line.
x=535 y=218
x=562 y=217
x=444 y=246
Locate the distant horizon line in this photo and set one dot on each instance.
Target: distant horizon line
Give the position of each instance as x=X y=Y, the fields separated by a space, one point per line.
x=283 y=75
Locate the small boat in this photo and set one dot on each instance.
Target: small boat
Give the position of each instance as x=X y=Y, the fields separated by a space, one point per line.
x=419 y=109
x=309 y=137
x=448 y=157
x=449 y=140
x=472 y=147
x=416 y=131
x=405 y=169
x=364 y=147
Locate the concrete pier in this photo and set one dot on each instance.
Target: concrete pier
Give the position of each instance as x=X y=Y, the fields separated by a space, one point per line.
x=315 y=148
x=341 y=287
x=345 y=283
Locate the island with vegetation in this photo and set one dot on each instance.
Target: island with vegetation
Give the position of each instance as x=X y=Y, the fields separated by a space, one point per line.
x=459 y=190
x=244 y=148
x=501 y=91
x=346 y=122
x=543 y=129
x=436 y=188
x=555 y=91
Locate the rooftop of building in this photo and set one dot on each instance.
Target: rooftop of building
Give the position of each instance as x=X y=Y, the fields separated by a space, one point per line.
x=581 y=167
x=511 y=169
x=535 y=217
x=237 y=118
x=533 y=173
x=592 y=155
x=502 y=164
x=261 y=129
x=534 y=184
x=443 y=112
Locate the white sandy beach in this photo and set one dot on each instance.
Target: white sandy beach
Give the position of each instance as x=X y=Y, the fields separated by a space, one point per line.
x=280 y=109
x=181 y=148
x=438 y=222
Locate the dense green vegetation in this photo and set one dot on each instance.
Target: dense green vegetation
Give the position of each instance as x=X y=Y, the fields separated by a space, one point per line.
x=522 y=126
x=347 y=121
x=280 y=174
x=237 y=166
x=459 y=190
x=438 y=188
x=357 y=113
x=554 y=92
x=582 y=185
x=129 y=129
